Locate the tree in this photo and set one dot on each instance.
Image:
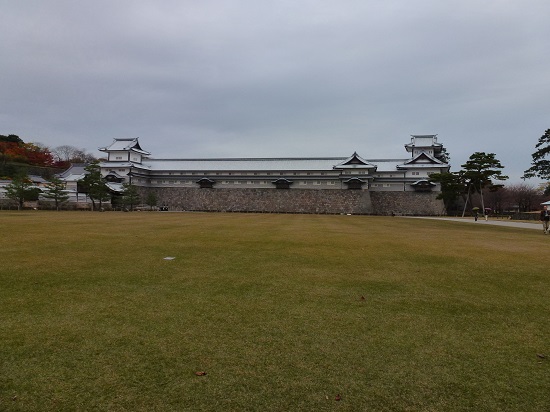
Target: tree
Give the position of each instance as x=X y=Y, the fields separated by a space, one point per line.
x=15 y=155
x=151 y=200
x=37 y=154
x=540 y=166
x=94 y=185
x=21 y=189
x=479 y=171
x=11 y=138
x=524 y=197
x=55 y=190
x=8 y=148
x=130 y=195
x=452 y=187
x=443 y=155
x=66 y=154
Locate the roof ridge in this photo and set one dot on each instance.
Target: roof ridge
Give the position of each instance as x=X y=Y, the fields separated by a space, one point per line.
x=244 y=158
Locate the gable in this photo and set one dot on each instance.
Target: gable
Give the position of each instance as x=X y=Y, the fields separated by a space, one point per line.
x=423 y=159
x=355 y=161
x=125 y=145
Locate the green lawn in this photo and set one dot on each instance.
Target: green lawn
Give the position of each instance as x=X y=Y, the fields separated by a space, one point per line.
x=455 y=317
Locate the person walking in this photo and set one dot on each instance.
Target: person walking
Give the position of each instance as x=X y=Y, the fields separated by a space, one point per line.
x=545 y=219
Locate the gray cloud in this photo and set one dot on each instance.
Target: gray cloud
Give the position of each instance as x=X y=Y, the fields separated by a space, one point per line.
x=287 y=78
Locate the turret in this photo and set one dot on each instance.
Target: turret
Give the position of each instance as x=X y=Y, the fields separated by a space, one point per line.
x=424 y=144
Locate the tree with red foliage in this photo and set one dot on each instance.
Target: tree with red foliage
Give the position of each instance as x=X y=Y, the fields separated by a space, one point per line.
x=37 y=155
x=13 y=149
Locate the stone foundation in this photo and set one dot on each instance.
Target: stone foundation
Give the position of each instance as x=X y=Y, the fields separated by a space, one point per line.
x=407 y=203
x=329 y=201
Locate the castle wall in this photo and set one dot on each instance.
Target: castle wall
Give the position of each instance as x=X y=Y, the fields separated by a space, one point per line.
x=407 y=203
x=297 y=201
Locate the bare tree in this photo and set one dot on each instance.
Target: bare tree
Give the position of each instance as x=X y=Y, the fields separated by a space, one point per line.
x=496 y=200
x=67 y=153
x=524 y=197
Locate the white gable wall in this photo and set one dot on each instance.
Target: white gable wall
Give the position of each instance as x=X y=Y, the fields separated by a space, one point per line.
x=118 y=156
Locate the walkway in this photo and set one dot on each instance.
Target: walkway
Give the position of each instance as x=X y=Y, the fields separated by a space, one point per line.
x=481 y=221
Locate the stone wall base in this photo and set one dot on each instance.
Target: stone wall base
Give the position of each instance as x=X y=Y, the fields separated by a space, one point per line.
x=328 y=201
x=407 y=203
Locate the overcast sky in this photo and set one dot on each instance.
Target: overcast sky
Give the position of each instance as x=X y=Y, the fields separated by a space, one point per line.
x=254 y=78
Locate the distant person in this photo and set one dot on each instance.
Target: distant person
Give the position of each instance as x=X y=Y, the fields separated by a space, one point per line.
x=545 y=219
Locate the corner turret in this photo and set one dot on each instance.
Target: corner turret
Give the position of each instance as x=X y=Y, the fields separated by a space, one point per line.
x=426 y=143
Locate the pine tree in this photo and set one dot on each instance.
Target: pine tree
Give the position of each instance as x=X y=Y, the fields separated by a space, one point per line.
x=20 y=189
x=130 y=195
x=479 y=171
x=151 y=200
x=55 y=190
x=540 y=166
x=452 y=187
x=94 y=185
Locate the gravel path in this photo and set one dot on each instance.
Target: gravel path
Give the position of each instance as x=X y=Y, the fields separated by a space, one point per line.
x=508 y=223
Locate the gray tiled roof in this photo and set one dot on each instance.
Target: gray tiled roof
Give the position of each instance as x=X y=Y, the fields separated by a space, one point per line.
x=243 y=164
x=124 y=144
x=75 y=169
x=267 y=164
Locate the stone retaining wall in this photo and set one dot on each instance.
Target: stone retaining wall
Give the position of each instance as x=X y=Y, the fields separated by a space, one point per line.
x=407 y=203
x=321 y=201
x=265 y=200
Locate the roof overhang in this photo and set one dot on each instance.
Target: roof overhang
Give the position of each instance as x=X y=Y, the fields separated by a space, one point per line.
x=423 y=185
x=115 y=187
x=355 y=162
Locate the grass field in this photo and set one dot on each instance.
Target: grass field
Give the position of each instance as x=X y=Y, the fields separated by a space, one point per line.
x=455 y=317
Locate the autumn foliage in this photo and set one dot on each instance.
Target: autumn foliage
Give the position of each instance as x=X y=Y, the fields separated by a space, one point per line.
x=14 y=151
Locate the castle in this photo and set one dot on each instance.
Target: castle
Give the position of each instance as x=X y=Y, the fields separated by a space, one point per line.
x=344 y=185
